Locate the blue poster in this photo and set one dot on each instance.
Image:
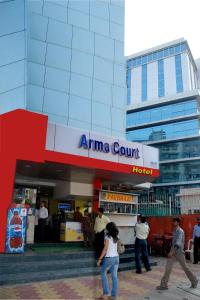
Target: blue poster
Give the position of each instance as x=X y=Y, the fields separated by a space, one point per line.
x=16 y=230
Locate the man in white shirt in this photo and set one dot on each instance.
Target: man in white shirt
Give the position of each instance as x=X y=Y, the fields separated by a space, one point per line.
x=99 y=228
x=141 y=232
x=42 y=221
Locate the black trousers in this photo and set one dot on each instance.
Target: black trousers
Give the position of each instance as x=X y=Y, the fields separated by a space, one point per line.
x=41 y=229
x=99 y=243
x=196 y=249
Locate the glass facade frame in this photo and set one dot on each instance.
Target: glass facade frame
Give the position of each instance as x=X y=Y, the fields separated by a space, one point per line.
x=160 y=54
x=179 y=76
x=166 y=131
x=180 y=171
x=161 y=79
x=163 y=113
x=144 y=82
x=179 y=149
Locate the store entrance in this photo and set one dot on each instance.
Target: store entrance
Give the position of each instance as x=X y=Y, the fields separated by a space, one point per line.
x=63 y=223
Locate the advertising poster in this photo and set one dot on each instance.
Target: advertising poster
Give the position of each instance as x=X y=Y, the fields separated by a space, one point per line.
x=16 y=230
x=71 y=232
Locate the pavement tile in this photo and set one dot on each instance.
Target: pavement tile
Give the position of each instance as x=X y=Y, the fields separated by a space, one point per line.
x=131 y=287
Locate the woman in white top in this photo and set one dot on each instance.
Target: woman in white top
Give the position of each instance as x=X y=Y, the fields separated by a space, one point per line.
x=110 y=261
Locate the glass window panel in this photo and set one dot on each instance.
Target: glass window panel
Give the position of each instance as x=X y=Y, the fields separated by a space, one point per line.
x=171 y=50
x=150 y=57
x=144 y=59
x=138 y=60
x=166 y=52
x=144 y=82
x=160 y=54
x=177 y=49
x=183 y=46
x=155 y=55
x=166 y=131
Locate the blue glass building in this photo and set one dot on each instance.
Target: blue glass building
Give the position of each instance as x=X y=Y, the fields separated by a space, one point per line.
x=65 y=59
x=163 y=111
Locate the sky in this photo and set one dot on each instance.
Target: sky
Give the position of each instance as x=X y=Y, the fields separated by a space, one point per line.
x=149 y=23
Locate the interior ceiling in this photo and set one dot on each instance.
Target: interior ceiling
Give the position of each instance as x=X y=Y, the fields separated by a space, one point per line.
x=49 y=173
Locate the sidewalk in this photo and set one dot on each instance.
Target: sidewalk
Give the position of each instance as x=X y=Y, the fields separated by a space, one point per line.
x=132 y=287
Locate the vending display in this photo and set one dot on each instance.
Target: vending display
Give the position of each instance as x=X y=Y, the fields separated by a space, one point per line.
x=16 y=229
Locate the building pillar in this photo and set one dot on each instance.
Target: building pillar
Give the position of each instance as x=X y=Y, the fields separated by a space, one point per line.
x=97 y=186
x=22 y=137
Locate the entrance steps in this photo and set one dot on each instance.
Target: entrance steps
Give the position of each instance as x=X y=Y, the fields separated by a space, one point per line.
x=35 y=267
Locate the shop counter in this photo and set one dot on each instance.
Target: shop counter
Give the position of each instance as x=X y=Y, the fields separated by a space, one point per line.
x=71 y=232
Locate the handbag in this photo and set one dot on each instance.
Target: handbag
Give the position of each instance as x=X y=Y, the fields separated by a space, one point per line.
x=120 y=247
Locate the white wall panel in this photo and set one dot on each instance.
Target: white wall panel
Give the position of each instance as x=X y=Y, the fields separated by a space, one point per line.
x=131 y=160
x=136 y=85
x=102 y=155
x=51 y=132
x=150 y=157
x=170 y=76
x=67 y=140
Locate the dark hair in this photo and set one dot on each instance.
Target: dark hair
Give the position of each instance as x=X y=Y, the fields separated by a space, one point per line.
x=112 y=231
x=86 y=210
x=177 y=219
x=101 y=210
x=143 y=219
x=78 y=207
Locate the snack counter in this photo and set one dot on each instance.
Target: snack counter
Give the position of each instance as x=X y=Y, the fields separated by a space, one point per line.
x=121 y=208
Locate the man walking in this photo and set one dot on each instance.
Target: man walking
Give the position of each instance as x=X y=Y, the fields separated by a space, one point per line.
x=196 y=241
x=177 y=254
x=141 y=232
x=99 y=228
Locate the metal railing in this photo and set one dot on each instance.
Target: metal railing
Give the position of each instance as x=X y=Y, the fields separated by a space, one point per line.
x=154 y=205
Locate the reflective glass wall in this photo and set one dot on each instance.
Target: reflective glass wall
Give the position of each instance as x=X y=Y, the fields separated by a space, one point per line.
x=12 y=55
x=178 y=150
x=165 y=131
x=76 y=64
x=180 y=172
x=170 y=111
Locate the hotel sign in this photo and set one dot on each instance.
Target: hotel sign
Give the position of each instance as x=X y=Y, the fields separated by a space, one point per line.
x=114 y=148
x=117 y=197
x=142 y=171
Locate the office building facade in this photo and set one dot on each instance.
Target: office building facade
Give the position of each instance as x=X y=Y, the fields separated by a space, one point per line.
x=62 y=116
x=64 y=70
x=163 y=111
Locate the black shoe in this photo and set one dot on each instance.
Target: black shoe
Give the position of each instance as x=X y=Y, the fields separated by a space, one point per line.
x=195 y=263
x=148 y=270
x=138 y=272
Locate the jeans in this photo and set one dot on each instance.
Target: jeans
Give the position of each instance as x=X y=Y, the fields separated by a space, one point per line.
x=141 y=248
x=112 y=264
x=99 y=243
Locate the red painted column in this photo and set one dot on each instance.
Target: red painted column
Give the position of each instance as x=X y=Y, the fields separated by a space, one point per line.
x=22 y=137
x=97 y=186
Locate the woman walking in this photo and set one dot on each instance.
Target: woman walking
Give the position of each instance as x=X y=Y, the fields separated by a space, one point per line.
x=109 y=261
